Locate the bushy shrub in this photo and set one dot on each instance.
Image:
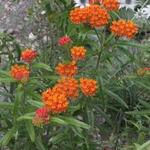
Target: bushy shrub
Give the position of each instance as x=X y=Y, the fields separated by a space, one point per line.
x=88 y=89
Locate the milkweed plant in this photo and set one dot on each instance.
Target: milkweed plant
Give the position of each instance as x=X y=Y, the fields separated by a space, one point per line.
x=87 y=90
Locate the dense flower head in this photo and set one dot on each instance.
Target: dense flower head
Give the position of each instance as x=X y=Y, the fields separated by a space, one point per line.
x=124 y=28
x=79 y=15
x=69 y=69
x=88 y=86
x=64 y=40
x=28 y=55
x=41 y=116
x=111 y=5
x=98 y=16
x=69 y=86
x=94 y=15
x=78 y=53
x=55 y=101
x=20 y=72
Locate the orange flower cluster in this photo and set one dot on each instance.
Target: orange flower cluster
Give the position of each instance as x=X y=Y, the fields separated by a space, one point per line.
x=88 y=86
x=94 y=15
x=55 y=101
x=79 y=15
x=98 y=16
x=123 y=28
x=20 y=72
x=41 y=117
x=28 y=55
x=78 y=53
x=69 y=69
x=67 y=88
x=111 y=5
x=69 y=85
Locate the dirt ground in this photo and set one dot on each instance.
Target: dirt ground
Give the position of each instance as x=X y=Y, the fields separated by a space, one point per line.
x=13 y=16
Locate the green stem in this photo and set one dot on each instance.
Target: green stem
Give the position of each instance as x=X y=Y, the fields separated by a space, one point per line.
x=118 y=126
x=98 y=60
x=101 y=49
x=71 y=139
x=99 y=38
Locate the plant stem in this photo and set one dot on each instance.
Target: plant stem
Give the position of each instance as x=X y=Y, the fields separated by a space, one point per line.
x=98 y=60
x=120 y=118
x=101 y=49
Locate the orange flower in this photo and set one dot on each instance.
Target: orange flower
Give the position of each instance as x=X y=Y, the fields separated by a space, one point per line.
x=69 y=86
x=93 y=15
x=88 y=86
x=69 y=69
x=98 y=16
x=78 y=53
x=20 y=72
x=28 y=55
x=111 y=5
x=55 y=101
x=41 y=117
x=79 y=15
x=123 y=28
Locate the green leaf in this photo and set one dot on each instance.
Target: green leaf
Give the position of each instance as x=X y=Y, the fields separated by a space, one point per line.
x=30 y=129
x=75 y=122
x=4 y=73
x=142 y=85
x=116 y=97
x=143 y=112
x=126 y=51
x=90 y=116
x=145 y=104
x=5 y=140
x=72 y=109
x=58 y=138
x=35 y=103
x=137 y=145
x=28 y=116
x=51 y=77
x=42 y=66
x=34 y=95
x=39 y=143
x=144 y=146
x=133 y=44
x=6 y=105
x=78 y=131
x=58 y=121
x=141 y=137
x=18 y=98
x=111 y=36
x=6 y=80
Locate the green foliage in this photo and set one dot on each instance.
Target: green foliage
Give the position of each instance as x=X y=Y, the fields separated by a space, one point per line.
x=120 y=110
